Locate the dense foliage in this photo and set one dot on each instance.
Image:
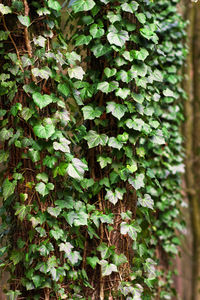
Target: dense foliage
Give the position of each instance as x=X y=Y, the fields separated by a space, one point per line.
x=91 y=146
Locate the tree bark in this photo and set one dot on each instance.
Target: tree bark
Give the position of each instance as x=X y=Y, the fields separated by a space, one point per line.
x=192 y=138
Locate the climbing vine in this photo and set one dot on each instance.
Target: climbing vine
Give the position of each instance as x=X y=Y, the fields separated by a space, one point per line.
x=90 y=148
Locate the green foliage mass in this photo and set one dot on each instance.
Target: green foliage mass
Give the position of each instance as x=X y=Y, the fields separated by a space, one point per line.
x=92 y=147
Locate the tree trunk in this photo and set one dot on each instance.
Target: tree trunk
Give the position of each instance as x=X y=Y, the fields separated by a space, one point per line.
x=191 y=132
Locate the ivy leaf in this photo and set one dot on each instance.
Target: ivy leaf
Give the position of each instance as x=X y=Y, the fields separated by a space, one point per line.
x=146 y=201
x=63 y=146
x=80 y=5
x=42 y=100
x=100 y=50
x=110 y=72
x=90 y=113
x=43 y=73
x=96 y=31
x=50 y=161
x=53 y=4
x=26 y=113
x=76 y=72
x=112 y=17
x=54 y=211
x=64 y=89
x=5 y=9
x=117 y=110
x=107 y=87
x=66 y=247
x=158 y=138
x=82 y=40
x=5 y=134
x=113 y=197
x=42 y=176
x=94 y=139
x=92 y=261
x=44 y=189
x=114 y=143
x=130 y=229
x=104 y=161
x=169 y=93
x=122 y=93
x=107 y=268
x=24 y=20
x=116 y=37
x=137 y=182
x=141 y=17
x=141 y=54
x=44 y=131
x=8 y=188
x=76 y=169
x=130 y=7
x=119 y=259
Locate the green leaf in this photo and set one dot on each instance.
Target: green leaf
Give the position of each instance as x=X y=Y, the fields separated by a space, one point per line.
x=8 y=188
x=42 y=176
x=66 y=247
x=94 y=139
x=100 y=50
x=141 y=18
x=107 y=87
x=158 y=138
x=24 y=20
x=62 y=146
x=141 y=54
x=16 y=256
x=43 y=73
x=64 y=89
x=26 y=113
x=76 y=169
x=113 y=197
x=116 y=37
x=53 y=4
x=114 y=143
x=5 y=9
x=21 y=211
x=76 y=72
x=169 y=93
x=112 y=17
x=132 y=166
x=137 y=182
x=146 y=201
x=6 y=134
x=130 y=229
x=107 y=268
x=44 y=131
x=110 y=72
x=15 y=108
x=50 y=161
x=104 y=161
x=117 y=110
x=42 y=100
x=54 y=211
x=90 y=112
x=119 y=259
x=130 y=7
x=122 y=93
x=80 y=5
x=92 y=261
x=96 y=31
x=44 y=189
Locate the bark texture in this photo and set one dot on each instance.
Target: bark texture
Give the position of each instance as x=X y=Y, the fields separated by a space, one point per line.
x=192 y=138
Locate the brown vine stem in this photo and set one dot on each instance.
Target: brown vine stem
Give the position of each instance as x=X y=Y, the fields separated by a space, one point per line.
x=101 y=236
x=11 y=38
x=26 y=35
